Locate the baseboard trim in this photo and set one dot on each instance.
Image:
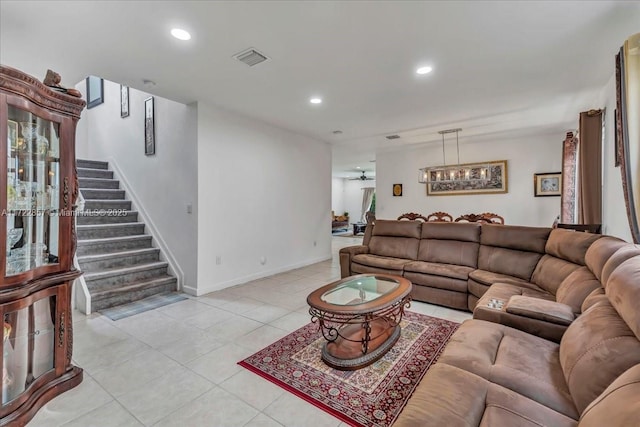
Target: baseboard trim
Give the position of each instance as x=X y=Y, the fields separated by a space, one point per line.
x=202 y=290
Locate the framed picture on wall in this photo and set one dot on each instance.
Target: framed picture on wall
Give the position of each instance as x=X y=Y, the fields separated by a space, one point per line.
x=397 y=190
x=95 y=91
x=149 y=127
x=124 y=101
x=547 y=184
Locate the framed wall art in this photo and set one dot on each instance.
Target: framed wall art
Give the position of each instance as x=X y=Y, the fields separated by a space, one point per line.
x=397 y=190
x=547 y=184
x=149 y=127
x=95 y=91
x=124 y=101
x=468 y=178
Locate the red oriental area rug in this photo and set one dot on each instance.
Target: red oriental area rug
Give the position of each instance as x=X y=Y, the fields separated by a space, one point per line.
x=371 y=396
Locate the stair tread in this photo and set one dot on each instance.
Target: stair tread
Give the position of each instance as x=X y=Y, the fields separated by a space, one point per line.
x=127 y=287
x=118 y=224
x=98 y=179
x=108 y=255
x=124 y=270
x=114 y=239
x=102 y=189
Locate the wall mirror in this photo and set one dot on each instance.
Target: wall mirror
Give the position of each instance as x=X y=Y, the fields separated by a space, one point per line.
x=628 y=127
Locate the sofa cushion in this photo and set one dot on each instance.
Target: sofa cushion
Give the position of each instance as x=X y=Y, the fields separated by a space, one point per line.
x=510 y=262
x=620 y=256
x=397 y=239
x=540 y=309
x=449 y=252
x=551 y=271
x=576 y=287
x=618 y=405
x=453 y=243
x=521 y=362
x=437 y=269
x=570 y=245
x=462 y=232
x=452 y=397
x=529 y=239
x=596 y=348
x=596 y=296
x=511 y=250
x=440 y=282
x=380 y=261
x=600 y=251
x=489 y=278
x=623 y=290
x=506 y=293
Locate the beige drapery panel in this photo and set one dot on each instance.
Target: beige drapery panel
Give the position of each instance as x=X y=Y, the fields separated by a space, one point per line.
x=367 y=197
x=590 y=168
x=569 y=165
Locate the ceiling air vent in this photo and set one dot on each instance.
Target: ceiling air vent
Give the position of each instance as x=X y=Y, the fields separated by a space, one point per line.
x=251 y=57
x=392 y=136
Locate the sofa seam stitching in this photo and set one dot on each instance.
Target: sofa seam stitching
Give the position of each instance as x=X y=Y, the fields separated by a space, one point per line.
x=589 y=350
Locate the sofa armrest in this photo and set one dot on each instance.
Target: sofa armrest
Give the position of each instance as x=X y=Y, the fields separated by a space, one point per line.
x=536 y=308
x=346 y=254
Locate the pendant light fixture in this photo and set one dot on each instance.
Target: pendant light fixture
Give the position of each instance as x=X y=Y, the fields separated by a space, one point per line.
x=454 y=173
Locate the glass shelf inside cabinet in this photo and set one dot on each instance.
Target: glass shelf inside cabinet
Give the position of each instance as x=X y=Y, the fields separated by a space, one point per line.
x=33 y=191
x=28 y=346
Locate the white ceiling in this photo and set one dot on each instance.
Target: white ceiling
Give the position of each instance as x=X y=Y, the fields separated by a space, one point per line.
x=498 y=66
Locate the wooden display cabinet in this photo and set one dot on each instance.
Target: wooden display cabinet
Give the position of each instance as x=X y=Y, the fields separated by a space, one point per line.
x=38 y=191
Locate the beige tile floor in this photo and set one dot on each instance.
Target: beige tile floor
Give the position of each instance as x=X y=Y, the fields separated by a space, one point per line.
x=176 y=365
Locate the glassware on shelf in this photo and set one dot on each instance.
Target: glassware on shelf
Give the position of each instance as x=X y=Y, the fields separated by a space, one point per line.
x=29 y=130
x=42 y=145
x=13 y=236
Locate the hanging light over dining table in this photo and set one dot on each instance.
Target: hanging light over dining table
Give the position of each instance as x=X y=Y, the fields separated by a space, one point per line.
x=453 y=173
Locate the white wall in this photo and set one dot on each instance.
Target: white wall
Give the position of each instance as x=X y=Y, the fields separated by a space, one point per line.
x=263 y=192
x=337 y=195
x=614 y=214
x=163 y=183
x=525 y=155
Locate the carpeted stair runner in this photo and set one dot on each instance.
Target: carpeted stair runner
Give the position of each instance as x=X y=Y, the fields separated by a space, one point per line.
x=117 y=258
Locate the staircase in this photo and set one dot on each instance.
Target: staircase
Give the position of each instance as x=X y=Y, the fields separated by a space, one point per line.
x=117 y=258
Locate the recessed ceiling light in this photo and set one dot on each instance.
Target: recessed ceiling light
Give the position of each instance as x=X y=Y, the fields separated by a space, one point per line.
x=357 y=167
x=316 y=100
x=424 y=70
x=180 y=34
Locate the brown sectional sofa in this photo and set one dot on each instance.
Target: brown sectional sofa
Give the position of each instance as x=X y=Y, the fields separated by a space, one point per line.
x=564 y=350
x=493 y=375
x=454 y=264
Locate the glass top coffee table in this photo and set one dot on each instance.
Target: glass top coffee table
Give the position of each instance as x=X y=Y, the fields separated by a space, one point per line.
x=359 y=316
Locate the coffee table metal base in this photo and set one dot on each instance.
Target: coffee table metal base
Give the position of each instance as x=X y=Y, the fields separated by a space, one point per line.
x=332 y=352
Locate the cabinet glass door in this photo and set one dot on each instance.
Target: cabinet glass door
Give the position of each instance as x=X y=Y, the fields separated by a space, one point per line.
x=28 y=346
x=33 y=191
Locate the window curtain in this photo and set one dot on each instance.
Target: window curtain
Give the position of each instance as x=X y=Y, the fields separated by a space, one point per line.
x=367 y=197
x=590 y=168
x=569 y=168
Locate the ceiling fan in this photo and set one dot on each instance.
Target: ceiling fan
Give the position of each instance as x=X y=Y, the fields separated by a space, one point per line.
x=363 y=177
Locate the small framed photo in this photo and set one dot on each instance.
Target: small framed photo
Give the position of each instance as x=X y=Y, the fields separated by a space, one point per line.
x=95 y=91
x=124 y=101
x=547 y=184
x=397 y=190
x=149 y=127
